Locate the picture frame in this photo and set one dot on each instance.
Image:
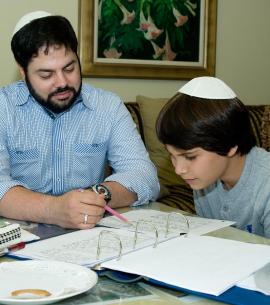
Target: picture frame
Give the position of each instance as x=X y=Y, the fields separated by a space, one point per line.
x=94 y=65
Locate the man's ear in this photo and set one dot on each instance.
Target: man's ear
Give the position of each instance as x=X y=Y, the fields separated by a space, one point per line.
x=22 y=73
x=232 y=151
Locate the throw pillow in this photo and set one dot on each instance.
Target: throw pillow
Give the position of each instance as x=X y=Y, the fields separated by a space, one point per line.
x=265 y=130
x=150 y=108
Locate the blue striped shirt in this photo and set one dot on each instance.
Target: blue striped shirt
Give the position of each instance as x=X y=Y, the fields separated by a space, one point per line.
x=54 y=154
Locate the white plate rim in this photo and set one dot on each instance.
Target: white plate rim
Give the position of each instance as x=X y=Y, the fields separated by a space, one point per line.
x=93 y=278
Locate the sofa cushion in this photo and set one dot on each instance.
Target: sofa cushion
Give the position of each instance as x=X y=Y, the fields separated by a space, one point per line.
x=265 y=128
x=134 y=110
x=256 y=113
x=150 y=107
x=171 y=184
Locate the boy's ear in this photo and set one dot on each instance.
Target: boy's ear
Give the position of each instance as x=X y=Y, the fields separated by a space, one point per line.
x=232 y=151
x=21 y=70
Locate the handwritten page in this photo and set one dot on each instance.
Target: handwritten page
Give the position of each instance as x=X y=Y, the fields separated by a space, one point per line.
x=81 y=247
x=176 y=223
x=199 y=263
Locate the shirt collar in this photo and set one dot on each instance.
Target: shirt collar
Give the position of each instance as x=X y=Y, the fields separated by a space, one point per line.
x=23 y=93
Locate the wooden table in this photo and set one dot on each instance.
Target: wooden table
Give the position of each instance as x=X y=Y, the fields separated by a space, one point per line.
x=128 y=294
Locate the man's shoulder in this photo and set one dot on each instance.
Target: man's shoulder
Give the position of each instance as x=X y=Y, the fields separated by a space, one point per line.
x=98 y=97
x=14 y=92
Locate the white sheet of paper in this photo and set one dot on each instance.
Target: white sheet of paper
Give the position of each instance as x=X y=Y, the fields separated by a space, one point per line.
x=80 y=247
x=177 y=224
x=27 y=236
x=200 y=263
x=258 y=281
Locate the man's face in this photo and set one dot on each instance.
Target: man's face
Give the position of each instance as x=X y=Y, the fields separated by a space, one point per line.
x=54 y=79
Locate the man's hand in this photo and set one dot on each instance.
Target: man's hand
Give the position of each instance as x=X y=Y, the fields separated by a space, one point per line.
x=80 y=209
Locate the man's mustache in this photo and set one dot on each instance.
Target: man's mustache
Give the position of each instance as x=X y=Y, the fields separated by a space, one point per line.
x=60 y=90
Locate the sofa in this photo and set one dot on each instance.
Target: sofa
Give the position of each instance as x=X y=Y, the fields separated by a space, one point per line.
x=174 y=191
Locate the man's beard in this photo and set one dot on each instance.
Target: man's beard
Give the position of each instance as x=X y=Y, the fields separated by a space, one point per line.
x=49 y=103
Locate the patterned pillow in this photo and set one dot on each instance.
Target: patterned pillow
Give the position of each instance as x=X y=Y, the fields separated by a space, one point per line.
x=265 y=128
x=256 y=114
x=134 y=110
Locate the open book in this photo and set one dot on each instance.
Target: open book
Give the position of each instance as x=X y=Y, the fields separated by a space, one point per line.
x=158 y=251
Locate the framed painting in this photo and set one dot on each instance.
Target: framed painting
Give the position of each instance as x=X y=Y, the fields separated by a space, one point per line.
x=161 y=39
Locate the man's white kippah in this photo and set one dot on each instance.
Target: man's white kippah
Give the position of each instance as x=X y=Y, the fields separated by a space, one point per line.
x=208 y=87
x=28 y=18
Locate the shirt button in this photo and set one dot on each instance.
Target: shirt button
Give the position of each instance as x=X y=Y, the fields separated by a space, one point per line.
x=225 y=208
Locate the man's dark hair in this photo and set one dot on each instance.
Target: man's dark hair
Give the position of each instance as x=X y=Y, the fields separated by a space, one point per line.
x=186 y=122
x=46 y=31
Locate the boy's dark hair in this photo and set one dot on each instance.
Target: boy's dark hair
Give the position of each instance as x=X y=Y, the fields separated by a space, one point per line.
x=46 y=31
x=215 y=125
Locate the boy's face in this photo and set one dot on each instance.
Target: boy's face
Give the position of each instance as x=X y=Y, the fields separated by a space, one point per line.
x=200 y=168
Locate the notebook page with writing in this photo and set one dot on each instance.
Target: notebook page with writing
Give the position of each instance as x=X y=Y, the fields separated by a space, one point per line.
x=197 y=225
x=81 y=247
x=199 y=263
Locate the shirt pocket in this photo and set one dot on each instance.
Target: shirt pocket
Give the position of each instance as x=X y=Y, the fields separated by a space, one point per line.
x=88 y=162
x=25 y=166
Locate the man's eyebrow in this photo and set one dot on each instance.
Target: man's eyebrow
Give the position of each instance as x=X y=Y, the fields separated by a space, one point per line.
x=70 y=63
x=51 y=70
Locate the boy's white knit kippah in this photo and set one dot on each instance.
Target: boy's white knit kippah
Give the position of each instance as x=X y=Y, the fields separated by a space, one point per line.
x=208 y=87
x=28 y=18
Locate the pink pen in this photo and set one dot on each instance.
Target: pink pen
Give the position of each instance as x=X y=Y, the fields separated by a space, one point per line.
x=116 y=214
x=111 y=211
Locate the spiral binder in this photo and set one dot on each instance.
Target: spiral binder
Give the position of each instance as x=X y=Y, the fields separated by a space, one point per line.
x=182 y=217
x=139 y=227
x=136 y=232
x=10 y=234
x=115 y=236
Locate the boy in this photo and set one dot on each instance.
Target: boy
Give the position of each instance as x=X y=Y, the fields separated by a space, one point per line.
x=207 y=131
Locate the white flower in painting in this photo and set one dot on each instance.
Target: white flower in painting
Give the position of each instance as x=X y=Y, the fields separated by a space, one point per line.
x=180 y=19
x=152 y=31
x=127 y=16
x=112 y=53
x=158 y=50
x=144 y=24
x=168 y=54
x=191 y=7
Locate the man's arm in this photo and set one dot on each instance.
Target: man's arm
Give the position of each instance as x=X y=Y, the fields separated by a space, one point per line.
x=121 y=197
x=67 y=210
x=129 y=159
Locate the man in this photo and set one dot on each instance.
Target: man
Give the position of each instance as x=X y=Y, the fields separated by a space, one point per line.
x=57 y=135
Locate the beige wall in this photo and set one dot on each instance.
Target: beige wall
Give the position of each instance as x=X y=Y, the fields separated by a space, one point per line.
x=242 y=58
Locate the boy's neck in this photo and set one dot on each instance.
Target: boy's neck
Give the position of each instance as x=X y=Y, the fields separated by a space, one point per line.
x=234 y=171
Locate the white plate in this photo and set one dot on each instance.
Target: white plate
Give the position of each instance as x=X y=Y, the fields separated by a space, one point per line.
x=62 y=280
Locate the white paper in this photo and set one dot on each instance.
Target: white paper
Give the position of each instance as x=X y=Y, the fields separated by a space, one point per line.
x=177 y=222
x=259 y=281
x=27 y=236
x=80 y=247
x=200 y=263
